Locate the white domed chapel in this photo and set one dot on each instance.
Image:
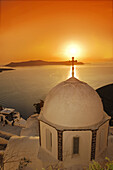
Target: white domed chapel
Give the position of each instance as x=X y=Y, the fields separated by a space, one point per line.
x=73 y=125
x=72 y=122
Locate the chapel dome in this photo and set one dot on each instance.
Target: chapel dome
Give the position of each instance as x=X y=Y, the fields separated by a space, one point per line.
x=73 y=103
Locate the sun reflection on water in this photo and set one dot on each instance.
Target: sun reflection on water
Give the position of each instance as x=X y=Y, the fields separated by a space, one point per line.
x=75 y=72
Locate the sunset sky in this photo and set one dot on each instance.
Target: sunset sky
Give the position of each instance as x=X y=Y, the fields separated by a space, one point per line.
x=32 y=30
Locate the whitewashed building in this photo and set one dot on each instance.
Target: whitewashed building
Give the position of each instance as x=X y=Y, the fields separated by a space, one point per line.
x=72 y=125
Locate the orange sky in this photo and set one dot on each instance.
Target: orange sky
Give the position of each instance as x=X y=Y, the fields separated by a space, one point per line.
x=32 y=30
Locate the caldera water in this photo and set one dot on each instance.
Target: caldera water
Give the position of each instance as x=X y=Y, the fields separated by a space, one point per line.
x=24 y=86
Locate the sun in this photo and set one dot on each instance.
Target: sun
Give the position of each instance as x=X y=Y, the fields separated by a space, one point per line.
x=73 y=50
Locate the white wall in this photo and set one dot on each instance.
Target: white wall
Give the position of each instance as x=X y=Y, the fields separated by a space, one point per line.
x=43 y=127
x=22 y=147
x=85 y=139
x=31 y=128
x=101 y=139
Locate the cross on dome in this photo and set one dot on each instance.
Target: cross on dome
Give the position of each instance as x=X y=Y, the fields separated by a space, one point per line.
x=72 y=66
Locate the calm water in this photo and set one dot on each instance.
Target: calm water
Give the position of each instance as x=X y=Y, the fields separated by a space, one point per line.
x=25 y=86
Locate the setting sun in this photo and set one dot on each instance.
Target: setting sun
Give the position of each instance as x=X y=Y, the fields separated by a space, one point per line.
x=73 y=50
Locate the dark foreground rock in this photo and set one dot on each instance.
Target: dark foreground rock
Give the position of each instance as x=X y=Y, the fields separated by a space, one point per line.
x=106 y=94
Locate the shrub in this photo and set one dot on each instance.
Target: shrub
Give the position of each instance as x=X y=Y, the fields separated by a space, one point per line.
x=108 y=165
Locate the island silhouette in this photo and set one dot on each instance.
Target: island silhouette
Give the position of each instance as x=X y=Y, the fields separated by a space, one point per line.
x=41 y=63
x=5 y=69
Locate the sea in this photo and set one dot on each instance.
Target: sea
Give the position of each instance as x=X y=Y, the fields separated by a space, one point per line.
x=24 y=86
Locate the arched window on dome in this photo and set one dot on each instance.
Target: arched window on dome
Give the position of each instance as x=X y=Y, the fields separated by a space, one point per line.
x=75 y=145
x=48 y=140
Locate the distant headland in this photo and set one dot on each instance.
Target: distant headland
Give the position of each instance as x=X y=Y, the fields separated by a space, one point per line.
x=41 y=63
x=6 y=69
